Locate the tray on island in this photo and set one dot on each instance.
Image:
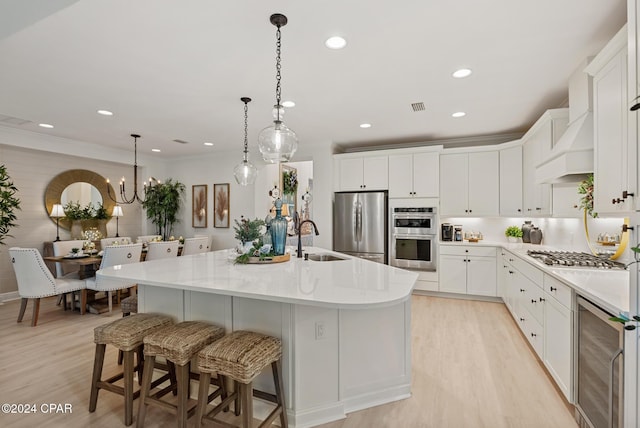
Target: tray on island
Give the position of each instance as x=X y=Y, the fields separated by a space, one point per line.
x=270 y=259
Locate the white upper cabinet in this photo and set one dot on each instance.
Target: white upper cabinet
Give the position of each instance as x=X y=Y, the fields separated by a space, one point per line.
x=511 y=181
x=537 y=144
x=414 y=175
x=612 y=178
x=469 y=184
x=363 y=173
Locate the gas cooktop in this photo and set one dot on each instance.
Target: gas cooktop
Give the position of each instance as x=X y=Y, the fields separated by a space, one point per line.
x=575 y=259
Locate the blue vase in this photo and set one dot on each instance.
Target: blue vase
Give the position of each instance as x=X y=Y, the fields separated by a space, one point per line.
x=278 y=230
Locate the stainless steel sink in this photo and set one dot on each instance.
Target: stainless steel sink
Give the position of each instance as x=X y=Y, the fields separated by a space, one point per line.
x=324 y=257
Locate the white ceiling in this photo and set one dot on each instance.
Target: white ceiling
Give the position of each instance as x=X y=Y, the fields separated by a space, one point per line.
x=176 y=69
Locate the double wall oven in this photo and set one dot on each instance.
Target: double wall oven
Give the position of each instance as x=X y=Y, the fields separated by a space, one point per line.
x=414 y=238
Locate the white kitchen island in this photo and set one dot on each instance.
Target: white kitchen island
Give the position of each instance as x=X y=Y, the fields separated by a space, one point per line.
x=345 y=325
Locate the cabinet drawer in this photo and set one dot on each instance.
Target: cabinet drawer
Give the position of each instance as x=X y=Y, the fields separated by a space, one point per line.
x=558 y=290
x=465 y=250
x=535 y=335
x=531 y=272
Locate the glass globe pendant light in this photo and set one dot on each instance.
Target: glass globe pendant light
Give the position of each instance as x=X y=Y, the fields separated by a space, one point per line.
x=245 y=173
x=277 y=142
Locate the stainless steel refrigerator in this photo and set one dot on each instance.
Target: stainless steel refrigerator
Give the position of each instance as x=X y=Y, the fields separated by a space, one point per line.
x=360 y=225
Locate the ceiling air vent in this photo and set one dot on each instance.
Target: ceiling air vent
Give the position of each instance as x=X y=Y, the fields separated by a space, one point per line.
x=417 y=106
x=180 y=141
x=13 y=120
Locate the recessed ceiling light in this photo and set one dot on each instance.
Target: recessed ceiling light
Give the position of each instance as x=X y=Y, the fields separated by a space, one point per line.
x=335 y=42
x=459 y=114
x=365 y=125
x=208 y=144
x=45 y=125
x=105 y=112
x=156 y=150
x=463 y=72
x=288 y=104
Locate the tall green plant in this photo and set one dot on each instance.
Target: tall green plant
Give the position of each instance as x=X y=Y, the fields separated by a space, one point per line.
x=9 y=203
x=162 y=203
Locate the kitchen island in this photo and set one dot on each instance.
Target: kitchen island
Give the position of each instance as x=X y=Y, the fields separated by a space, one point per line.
x=345 y=324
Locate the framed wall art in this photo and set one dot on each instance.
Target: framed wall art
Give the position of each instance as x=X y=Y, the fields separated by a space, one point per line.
x=289 y=187
x=199 y=205
x=221 y=205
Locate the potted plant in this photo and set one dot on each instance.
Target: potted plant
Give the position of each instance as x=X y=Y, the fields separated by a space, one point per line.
x=513 y=233
x=585 y=188
x=8 y=204
x=162 y=203
x=85 y=218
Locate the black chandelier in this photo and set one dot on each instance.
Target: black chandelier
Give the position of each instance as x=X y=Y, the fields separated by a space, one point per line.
x=135 y=197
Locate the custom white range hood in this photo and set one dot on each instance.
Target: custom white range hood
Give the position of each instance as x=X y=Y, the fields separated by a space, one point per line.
x=571 y=158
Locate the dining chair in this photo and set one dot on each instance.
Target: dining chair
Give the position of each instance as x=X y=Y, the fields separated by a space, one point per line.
x=148 y=238
x=115 y=255
x=122 y=240
x=162 y=250
x=35 y=281
x=195 y=245
x=62 y=248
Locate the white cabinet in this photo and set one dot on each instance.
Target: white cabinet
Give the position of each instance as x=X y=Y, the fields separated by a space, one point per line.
x=566 y=200
x=363 y=173
x=469 y=184
x=558 y=326
x=468 y=270
x=511 y=181
x=414 y=175
x=537 y=144
x=614 y=176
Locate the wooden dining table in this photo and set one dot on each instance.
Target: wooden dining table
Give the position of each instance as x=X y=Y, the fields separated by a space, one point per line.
x=86 y=265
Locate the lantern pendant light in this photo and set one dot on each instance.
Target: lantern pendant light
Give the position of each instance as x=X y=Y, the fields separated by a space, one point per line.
x=277 y=142
x=245 y=173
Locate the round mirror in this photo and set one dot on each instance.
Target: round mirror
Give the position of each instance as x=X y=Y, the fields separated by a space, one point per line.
x=77 y=185
x=81 y=192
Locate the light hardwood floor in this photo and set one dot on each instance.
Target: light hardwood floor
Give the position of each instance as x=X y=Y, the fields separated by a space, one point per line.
x=471 y=368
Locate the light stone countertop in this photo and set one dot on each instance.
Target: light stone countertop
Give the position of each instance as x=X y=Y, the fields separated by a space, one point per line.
x=608 y=288
x=352 y=283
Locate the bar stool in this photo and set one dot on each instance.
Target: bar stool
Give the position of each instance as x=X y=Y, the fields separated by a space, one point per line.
x=127 y=335
x=241 y=356
x=128 y=306
x=178 y=344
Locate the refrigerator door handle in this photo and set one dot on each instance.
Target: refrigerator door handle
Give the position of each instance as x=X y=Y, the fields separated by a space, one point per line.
x=359 y=221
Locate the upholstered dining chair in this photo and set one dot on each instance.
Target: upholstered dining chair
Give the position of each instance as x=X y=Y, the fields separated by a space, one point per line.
x=195 y=245
x=112 y=256
x=35 y=281
x=148 y=238
x=162 y=250
x=62 y=248
x=122 y=240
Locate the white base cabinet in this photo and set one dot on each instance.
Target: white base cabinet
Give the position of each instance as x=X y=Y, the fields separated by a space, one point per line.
x=468 y=270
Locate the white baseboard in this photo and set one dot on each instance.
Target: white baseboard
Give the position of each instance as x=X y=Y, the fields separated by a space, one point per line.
x=6 y=297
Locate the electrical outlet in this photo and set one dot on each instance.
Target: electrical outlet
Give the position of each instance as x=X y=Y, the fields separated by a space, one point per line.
x=320 y=333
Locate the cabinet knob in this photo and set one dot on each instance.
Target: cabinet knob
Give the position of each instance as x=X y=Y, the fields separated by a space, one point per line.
x=626 y=194
x=470 y=211
x=552 y=288
x=626 y=228
x=511 y=272
x=538 y=209
x=528 y=209
x=533 y=335
x=542 y=299
x=519 y=210
x=616 y=201
x=521 y=319
x=466 y=211
x=534 y=301
x=522 y=290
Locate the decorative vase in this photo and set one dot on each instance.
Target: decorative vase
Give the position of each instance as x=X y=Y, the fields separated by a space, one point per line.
x=513 y=239
x=536 y=235
x=526 y=229
x=278 y=229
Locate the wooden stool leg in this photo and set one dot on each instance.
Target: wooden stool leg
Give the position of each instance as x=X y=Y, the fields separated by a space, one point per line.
x=140 y=365
x=182 y=373
x=246 y=390
x=203 y=395
x=97 y=374
x=36 y=311
x=277 y=381
x=172 y=376
x=147 y=374
x=128 y=387
x=23 y=308
x=83 y=302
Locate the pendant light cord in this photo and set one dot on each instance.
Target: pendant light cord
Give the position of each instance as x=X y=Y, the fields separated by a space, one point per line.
x=246 y=142
x=278 y=69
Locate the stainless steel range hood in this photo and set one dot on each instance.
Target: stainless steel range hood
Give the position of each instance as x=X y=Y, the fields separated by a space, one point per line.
x=571 y=158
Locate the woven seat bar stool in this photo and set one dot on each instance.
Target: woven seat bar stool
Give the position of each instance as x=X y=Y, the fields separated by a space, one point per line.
x=127 y=335
x=241 y=356
x=128 y=306
x=178 y=344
